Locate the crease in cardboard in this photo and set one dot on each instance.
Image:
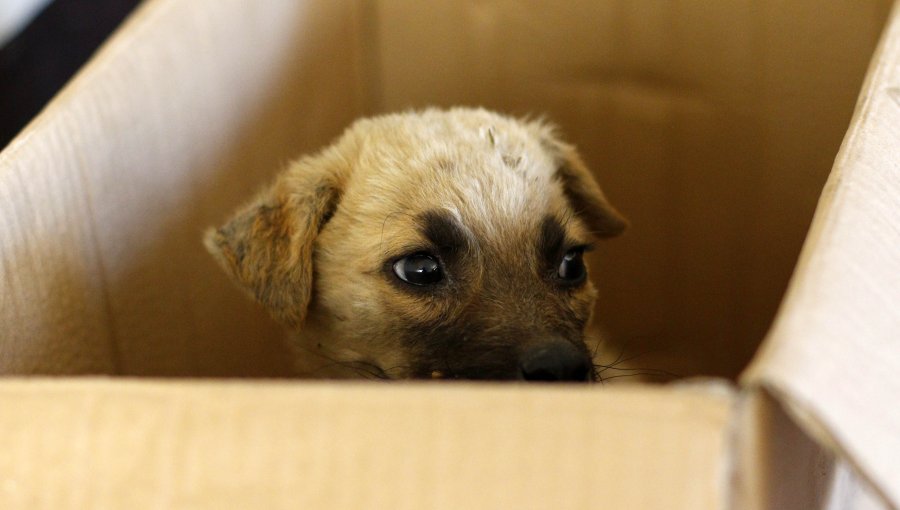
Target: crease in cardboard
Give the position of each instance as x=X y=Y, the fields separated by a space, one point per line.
x=894 y=94
x=114 y=354
x=805 y=416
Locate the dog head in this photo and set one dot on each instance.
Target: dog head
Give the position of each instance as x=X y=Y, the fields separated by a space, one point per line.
x=431 y=244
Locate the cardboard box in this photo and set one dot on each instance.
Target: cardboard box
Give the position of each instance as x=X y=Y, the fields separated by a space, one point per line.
x=712 y=125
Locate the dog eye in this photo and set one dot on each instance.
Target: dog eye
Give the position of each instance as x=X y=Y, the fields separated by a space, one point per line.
x=572 y=269
x=419 y=269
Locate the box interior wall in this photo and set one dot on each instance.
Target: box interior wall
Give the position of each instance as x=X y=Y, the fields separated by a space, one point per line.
x=712 y=127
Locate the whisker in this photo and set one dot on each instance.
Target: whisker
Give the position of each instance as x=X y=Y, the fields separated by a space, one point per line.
x=393 y=368
x=656 y=371
x=361 y=368
x=606 y=371
x=634 y=375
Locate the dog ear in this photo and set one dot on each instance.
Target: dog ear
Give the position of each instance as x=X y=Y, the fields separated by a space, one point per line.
x=267 y=246
x=581 y=189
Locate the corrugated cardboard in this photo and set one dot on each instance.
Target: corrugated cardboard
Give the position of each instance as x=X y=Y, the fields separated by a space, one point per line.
x=713 y=126
x=124 y=444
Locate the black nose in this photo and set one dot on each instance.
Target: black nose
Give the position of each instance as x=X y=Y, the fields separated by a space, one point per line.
x=557 y=360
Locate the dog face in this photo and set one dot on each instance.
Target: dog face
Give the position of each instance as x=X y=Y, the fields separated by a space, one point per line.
x=433 y=244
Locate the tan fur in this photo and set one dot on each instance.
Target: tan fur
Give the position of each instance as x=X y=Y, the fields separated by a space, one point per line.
x=312 y=247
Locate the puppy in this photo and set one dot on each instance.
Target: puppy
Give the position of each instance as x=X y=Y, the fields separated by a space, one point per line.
x=434 y=244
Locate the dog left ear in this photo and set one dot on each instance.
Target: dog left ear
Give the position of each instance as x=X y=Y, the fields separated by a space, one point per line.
x=582 y=190
x=267 y=246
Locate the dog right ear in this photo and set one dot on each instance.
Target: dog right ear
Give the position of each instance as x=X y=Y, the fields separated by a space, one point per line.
x=267 y=246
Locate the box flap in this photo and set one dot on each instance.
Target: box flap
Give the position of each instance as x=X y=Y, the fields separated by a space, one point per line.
x=118 y=444
x=833 y=355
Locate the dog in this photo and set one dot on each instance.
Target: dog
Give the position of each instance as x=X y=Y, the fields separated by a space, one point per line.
x=431 y=244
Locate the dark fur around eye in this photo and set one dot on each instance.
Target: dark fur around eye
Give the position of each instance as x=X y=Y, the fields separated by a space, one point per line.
x=426 y=266
x=443 y=231
x=563 y=256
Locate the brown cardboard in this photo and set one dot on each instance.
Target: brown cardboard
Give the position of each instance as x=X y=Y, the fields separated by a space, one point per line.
x=124 y=444
x=713 y=127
